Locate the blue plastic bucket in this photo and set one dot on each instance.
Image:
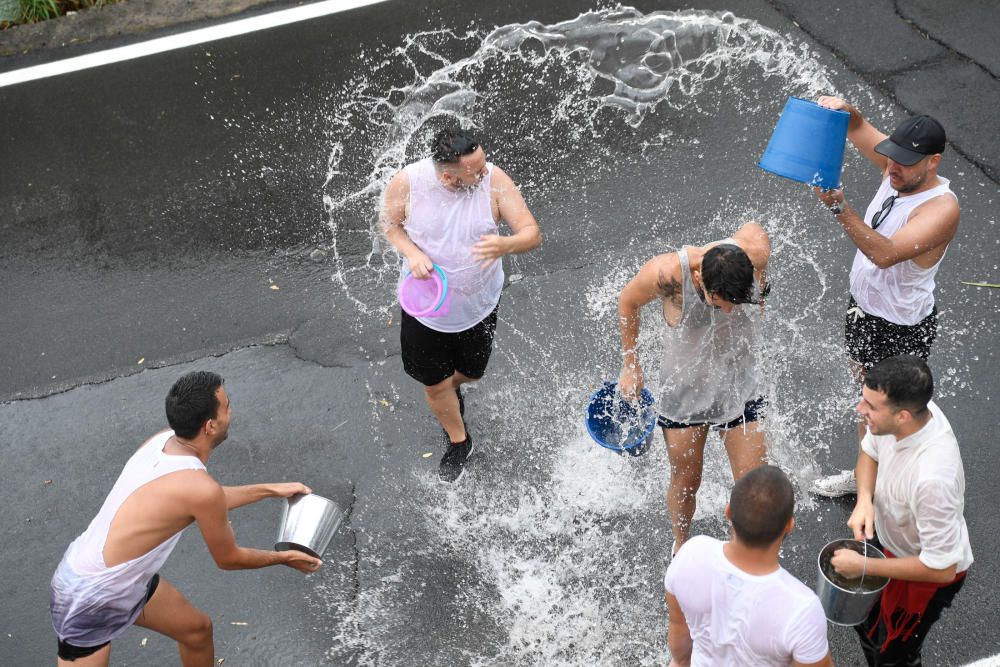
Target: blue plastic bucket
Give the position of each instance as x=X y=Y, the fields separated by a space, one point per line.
x=807 y=144
x=618 y=424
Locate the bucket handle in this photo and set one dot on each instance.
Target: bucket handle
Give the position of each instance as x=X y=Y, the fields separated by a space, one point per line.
x=444 y=285
x=864 y=564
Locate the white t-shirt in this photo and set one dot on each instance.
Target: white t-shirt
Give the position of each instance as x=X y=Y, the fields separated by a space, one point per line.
x=920 y=494
x=737 y=618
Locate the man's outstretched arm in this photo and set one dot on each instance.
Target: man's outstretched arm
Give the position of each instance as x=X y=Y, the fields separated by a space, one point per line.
x=208 y=506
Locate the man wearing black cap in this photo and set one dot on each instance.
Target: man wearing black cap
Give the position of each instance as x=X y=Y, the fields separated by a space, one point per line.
x=901 y=238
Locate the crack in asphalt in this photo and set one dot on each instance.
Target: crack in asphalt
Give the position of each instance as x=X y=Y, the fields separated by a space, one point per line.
x=926 y=34
x=870 y=77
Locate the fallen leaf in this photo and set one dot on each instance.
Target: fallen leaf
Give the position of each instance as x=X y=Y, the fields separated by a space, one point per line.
x=238 y=623
x=383 y=401
x=143 y=642
x=141 y=360
x=275 y=287
x=964 y=282
x=221 y=660
x=388 y=324
x=47 y=482
x=427 y=455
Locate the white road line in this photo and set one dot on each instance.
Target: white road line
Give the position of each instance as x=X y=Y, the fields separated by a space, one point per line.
x=992 y=661
x=180 y=41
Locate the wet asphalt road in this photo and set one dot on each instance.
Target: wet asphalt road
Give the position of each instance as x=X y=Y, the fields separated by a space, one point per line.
x=151 y=207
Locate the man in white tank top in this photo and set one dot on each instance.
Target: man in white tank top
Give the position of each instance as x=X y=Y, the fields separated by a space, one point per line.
x=108 y=581
x=711 y=296
x=731 y=603
x=901 y=239
x=444 y=211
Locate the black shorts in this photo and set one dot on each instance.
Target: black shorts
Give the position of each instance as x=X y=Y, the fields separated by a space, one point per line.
x=870 y=339
x=430 y=356
x=70 y=653
x=753 y=411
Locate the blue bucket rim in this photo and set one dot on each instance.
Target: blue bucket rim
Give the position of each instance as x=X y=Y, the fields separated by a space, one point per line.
x=646 y=400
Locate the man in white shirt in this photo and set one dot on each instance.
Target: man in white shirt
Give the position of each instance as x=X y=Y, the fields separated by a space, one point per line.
x=731 y=603
x=911 y=494
x=444 y=210
x=901 y=238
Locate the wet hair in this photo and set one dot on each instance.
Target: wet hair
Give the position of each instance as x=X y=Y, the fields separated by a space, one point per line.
x=192 y=401
x=727 y=272
x=449 y=145
x=905 y=380
x=760 y=506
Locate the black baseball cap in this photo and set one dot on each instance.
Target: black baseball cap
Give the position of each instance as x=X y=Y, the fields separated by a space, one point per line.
x=913 y=140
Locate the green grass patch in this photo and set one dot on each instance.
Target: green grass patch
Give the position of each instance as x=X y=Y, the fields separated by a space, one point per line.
x=13 y=12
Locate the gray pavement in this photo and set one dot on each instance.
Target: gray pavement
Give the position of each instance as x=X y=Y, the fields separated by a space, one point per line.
x=149 y=242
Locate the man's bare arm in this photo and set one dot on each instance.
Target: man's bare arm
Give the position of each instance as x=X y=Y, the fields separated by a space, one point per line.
x=656 y=279
x=238 y=496
x=678 y=634
x=209 y=508
x=930 y=226
x=861 y=133
x=391 y=219
x=514 y=211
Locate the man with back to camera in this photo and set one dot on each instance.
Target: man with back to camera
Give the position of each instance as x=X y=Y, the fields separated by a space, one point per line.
x=731 y=603
x=444 y=210
x=107 y=579
x=709 y=377
x=901 y=242
x=911 y=501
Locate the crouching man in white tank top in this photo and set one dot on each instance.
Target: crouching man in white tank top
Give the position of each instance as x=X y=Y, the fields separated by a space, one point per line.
x=731 y=603
x=444 y=210
x=709 y=375
x=108 y=581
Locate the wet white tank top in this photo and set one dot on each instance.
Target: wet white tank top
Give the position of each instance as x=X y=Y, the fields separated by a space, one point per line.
x=709 y=368
x=904 y=292
x=92 y=603
x=446 y=225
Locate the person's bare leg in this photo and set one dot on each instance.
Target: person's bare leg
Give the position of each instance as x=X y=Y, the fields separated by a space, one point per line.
x=747 y=448
x=99 y=658
x=458 y=379
x=169 y=613
x=443 y=402
x=686 y=450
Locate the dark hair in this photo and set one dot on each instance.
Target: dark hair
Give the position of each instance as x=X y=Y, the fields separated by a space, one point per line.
x=728 y=272
x=761 y=505
x=905 y=380
x=449 y=145
x=192 y=401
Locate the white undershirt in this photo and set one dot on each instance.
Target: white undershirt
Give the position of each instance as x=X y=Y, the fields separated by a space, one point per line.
x=737 y=618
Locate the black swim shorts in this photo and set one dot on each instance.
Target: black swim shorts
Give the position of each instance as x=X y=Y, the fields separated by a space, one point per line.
x=430 y=356
x=753 y=411
x=870 y=339
x=70 y=652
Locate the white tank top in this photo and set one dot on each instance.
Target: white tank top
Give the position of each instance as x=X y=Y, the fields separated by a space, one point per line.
x=903 y=293
x=446 y=225
x=709 y=369
x=92 y=603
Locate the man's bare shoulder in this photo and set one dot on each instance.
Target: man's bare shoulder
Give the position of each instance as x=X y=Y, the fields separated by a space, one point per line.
x=753 y=238
x=193 y=488
x=666 y=271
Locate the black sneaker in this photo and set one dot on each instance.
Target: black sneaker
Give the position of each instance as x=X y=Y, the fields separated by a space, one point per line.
x=453 y=462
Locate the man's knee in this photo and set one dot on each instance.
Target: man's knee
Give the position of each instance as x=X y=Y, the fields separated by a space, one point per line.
x=440 y=389
x=200 y=631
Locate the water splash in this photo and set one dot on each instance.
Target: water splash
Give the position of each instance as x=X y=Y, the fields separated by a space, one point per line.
x=567 y=554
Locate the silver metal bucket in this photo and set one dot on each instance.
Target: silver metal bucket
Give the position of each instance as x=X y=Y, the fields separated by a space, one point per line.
x=847 y=601
x=308 y=523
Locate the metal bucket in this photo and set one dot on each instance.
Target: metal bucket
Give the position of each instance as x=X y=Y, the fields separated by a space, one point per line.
x=308 y=523
x=847 y=601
